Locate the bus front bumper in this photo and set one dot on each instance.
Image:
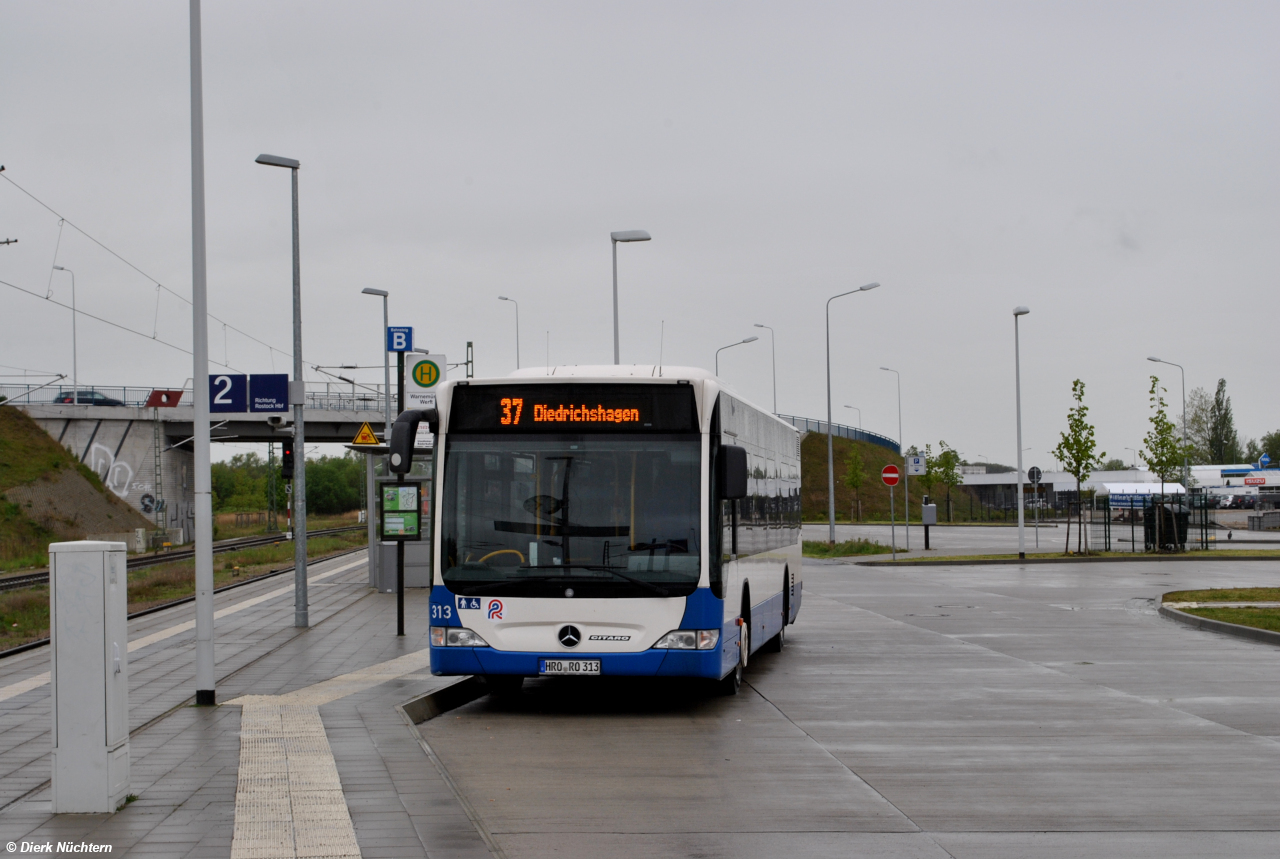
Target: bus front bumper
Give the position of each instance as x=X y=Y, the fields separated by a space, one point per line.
x=646 y=663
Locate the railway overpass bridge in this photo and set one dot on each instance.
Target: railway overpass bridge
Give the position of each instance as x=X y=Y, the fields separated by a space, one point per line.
x=144 y=455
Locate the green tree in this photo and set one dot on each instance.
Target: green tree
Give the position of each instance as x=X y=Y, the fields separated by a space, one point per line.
x=948 y=471
x=1194 y=425
x=929 y=479
x=855 y=474
x=1115 y=464
x=1164 y=452
x=1223 y=444
x=1078 y=452
x=240 y=484
x=334 y=484
x=1270 y=445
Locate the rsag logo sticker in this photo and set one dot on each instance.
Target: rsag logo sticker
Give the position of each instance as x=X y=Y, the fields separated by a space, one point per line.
x=495 y=609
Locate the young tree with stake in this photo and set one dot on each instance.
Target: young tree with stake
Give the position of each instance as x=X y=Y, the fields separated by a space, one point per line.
x=1164 y=451
x=1078 y=453
x=855 y=474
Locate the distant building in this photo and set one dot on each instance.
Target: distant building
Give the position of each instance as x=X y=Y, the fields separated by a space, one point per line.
x=1058 y=487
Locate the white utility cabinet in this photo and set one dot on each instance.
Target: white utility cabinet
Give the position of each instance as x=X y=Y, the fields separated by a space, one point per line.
x=89 y=633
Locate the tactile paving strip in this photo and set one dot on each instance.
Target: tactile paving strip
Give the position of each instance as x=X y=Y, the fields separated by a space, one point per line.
x=289 y=802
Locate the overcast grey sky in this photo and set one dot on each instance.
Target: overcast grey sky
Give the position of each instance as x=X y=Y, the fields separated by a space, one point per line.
x=1111 y=165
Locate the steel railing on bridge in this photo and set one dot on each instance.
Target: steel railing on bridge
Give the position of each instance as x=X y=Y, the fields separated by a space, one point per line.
x=842 y=431
x=333 y=396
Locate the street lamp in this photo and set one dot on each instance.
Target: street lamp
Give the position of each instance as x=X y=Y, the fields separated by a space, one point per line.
x=1185 y=469
x=1135 y=454
x=1017 y=377
x=730 y=346
x=773 y=349
x=517 y=304
x=370 y=483
x=297 y=397
x=906 y=476
x=859 y=411
x=75 y=381
x=621 y=236
x=386 y=358
x=831 y=467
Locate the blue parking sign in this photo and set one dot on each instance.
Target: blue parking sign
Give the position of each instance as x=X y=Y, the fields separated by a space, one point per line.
x=400 y=339
x=228 y=392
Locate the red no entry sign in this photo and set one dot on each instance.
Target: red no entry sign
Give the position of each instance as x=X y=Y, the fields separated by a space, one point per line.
x=890 y=475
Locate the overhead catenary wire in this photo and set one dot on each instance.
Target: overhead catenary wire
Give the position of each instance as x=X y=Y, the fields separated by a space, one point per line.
x=107 y=321
x=62 y=220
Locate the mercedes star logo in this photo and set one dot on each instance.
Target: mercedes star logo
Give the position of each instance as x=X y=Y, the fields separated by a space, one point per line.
x=569 y=636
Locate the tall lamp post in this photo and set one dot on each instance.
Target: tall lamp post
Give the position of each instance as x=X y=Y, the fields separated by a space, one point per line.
x=773 y=351
x=75 y=376
x=1185 y=468
x=371 y=485
x=831 y=467
x=517 y=304
x=206 y=693
x=1134 y=451
x=906 y=477
x=386 y=359
x=621 y=236
x=1017 y=383
x=297 y=398
x=859 y=411
x=730 y=346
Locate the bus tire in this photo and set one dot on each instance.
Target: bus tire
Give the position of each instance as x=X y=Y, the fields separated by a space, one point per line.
x=504 y=685
x=730 y=684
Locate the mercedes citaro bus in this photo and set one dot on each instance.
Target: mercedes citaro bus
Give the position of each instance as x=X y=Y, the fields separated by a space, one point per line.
x=613 y=520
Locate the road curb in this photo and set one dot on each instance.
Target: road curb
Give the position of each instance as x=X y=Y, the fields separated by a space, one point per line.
x=1264 y=636
x=415 y=711
x=1059 y=559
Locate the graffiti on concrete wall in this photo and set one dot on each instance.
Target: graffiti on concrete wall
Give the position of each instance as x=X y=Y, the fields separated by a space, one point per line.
x=116 y=474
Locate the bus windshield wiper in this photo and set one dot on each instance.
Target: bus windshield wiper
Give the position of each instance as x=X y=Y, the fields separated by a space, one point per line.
x=601 y=568
x=506 y=583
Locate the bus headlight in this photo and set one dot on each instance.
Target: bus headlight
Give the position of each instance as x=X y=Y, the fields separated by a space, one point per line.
x=689 y=639
x=455 y=636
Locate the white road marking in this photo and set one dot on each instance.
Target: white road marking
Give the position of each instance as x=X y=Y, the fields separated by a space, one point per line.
x=289 y=800
x=15 y=689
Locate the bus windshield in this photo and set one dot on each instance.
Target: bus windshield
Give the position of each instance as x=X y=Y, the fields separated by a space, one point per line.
x=585 y=515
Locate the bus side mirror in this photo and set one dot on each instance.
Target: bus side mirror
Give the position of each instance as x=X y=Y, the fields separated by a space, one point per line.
x=733 y=472
x=403 y=432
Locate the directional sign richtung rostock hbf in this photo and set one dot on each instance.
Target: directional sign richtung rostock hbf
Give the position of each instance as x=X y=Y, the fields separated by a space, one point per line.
x=890 y=475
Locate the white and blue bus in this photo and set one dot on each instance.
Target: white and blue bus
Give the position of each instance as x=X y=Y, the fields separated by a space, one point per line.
x=614 y=520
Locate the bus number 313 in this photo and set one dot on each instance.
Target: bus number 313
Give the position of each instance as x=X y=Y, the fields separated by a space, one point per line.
x=509 y=403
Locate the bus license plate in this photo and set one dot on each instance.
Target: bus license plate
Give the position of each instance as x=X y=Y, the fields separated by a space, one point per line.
x=568 y=666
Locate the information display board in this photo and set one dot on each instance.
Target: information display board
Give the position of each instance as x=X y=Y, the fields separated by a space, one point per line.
x=400 y=511
x=573 y=408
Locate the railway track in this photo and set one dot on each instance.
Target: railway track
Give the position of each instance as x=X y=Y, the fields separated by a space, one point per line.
x=27 y=580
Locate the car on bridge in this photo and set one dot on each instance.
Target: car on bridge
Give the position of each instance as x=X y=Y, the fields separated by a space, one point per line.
x=87 y=398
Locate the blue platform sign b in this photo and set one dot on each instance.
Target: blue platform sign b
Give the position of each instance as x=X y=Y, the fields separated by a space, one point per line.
x=399 y=339
x=228 y=393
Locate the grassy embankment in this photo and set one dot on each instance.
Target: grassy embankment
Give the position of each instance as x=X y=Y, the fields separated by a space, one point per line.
x=24 y=614
x=1261 y=618
x=28 y=453
x=874 y=494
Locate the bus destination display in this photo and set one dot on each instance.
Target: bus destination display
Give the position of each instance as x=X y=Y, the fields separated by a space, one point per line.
x=573 y=408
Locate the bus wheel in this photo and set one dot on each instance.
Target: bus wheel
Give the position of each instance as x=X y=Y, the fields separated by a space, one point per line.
x=730 y=685
x=504 y=685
